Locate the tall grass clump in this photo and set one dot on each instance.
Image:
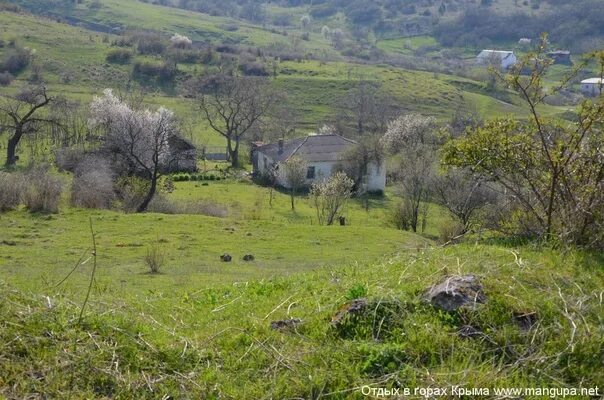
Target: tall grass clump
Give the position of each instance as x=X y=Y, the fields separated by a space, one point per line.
x=155 y=258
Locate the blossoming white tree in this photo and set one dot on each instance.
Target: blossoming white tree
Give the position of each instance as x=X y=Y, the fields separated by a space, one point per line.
x=140 y=137
x=180 y=41
x=330 y=195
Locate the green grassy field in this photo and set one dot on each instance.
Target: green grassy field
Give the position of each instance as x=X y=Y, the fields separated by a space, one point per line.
x=184 y=334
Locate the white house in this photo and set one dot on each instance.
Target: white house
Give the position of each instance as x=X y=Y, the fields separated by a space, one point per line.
x=323 y=153
x=591 y=86
x=502 y=58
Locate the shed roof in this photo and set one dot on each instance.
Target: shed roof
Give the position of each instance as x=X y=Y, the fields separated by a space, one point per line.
x=592 y=80
x=502 y=54
x=178 y=143
x=313 y=148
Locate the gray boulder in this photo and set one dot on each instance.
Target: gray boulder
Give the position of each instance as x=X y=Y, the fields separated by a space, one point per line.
x=455 y=292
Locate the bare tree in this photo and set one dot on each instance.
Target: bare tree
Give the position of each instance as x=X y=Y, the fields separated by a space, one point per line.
x=464 y=194
x=330 y=195
x=20 y=116
x=357 y=160
x=233 y=105
x=140 y=137
x=295 y=170
x=367 y=106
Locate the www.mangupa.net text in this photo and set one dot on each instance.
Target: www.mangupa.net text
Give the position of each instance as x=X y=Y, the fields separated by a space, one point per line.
x=461 y=391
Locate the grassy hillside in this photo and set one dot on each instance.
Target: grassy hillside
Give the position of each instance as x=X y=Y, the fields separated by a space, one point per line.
x=191 y=335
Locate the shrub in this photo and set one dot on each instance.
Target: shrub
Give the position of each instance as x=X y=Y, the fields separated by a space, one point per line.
x=254 y=69
x=42 y=191
x=450 y=232
x=131 y=191
x=67 y=159
x=93 y=184
x=11 y=188
x=119 y=56
x=155 y=258
x=6 y=78
x=15 y=60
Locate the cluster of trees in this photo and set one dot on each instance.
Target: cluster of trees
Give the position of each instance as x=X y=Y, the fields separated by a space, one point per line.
x=541 y=178
x=576 y=25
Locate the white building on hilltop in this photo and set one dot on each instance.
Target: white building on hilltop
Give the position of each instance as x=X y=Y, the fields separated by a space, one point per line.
x=503 y=59
x=591 y=86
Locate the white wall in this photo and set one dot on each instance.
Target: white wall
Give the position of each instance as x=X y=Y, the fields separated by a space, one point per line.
x=376 y=176
x=590 y=89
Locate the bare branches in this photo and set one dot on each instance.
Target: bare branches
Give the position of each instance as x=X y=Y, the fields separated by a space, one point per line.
x=19 y=118
x=233 y=106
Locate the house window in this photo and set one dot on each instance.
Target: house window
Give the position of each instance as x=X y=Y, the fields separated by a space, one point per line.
x=310 y=173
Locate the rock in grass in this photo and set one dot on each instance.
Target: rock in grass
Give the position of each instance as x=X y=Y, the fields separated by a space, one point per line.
x=226 y=257
x=356 y=306
x=248 y=257
x=456 y=292
x=284 y=324
x=525 y=320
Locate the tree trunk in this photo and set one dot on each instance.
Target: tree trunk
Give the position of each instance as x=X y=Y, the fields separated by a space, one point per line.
x=11 y=149
x=293 y=193
x=233 y=153
x=145 y=204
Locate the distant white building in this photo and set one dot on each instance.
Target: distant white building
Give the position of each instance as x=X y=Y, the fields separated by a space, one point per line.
x=502 y=58
x=323 y=153
x=591 y=86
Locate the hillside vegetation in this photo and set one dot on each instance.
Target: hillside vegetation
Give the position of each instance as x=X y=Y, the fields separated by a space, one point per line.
x=133 y=265
x=145 y=338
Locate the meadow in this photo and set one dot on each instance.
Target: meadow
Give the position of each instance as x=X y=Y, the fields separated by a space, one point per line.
x=185 y=334
x=201 y=327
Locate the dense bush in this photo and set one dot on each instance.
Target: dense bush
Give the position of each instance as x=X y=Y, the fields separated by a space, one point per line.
x=162 y=72
x=119 y=56
x=15 y=60
x=42 y=192
x=149 y=43
x=93 y=184
x=11 y=188
x=254 y=69
x=6 y=78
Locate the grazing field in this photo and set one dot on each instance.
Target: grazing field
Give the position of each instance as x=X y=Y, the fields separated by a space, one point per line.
x=192 y=334
x=39 y=250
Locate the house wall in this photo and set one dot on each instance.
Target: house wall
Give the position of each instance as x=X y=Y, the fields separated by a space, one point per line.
x=376 y=177
x=590 y=89
x=322 y=170
x=508 y=61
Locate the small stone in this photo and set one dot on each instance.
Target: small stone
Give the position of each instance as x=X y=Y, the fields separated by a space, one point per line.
x=356 y=306
x=286 y=324
x=525 y=320
x=226 y=257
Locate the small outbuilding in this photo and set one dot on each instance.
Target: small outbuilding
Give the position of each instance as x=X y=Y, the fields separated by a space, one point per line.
x=183 y=155
x=592 y=87
x=503 y=59
x=560 y=57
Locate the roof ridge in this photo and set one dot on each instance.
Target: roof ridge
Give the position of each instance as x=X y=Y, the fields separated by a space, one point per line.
x=297 y=148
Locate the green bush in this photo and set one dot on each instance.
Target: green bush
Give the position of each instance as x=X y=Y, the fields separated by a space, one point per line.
x=119 y=56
